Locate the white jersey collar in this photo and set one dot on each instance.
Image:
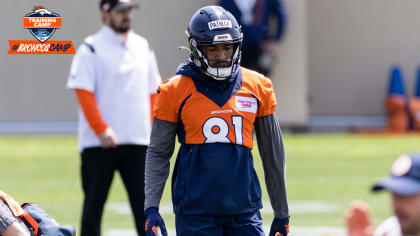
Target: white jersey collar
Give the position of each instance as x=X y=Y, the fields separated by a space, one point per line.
x=108 y=32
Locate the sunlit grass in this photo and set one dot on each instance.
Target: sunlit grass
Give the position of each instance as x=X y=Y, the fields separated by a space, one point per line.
x=329 y=168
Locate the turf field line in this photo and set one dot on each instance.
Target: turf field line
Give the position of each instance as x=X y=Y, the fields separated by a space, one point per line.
x=123 y=208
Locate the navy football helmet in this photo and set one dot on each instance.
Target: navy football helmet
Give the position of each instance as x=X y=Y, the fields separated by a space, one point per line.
x=213 y=25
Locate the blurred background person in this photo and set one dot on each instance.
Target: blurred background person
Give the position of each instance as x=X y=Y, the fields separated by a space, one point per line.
x=28 y=220
x=114 y=75
x=263 y=25
x=404 y=185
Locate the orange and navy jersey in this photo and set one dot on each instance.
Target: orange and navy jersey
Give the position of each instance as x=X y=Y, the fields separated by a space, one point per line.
x=214 y=173
x=210 y=117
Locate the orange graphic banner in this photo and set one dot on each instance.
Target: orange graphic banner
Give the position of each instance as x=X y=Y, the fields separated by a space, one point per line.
x=42 y=22
x=36 y=47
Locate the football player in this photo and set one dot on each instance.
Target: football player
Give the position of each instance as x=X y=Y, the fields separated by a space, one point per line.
x=213 y=105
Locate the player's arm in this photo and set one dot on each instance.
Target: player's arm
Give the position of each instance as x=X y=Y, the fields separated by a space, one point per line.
x=15 y=229
x=270 y=145
x=9 y=225
x=159 y=152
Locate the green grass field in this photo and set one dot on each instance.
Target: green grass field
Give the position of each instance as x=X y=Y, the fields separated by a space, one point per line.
x=331 y=169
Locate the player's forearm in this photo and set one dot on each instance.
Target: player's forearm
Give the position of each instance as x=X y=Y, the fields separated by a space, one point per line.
x=9 y=212
x=15 y=229
x=270 y=145
x=156 y=173
x=159 y=152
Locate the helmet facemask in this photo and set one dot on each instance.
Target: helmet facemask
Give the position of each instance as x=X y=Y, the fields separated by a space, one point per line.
x=200 y=58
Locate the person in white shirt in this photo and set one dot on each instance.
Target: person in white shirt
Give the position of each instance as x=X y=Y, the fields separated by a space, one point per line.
x=115 y=76
x=404 y=185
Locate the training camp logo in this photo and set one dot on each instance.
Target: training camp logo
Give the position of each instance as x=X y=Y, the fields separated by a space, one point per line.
x=41 y=23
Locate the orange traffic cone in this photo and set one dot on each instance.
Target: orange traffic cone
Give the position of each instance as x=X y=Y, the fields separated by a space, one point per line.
x=414 y=105
x=396 y=104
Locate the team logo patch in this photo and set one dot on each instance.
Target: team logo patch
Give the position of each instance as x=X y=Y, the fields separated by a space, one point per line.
x=220 y=24
x=401 y=166
x=246 y=104
x=42 y=23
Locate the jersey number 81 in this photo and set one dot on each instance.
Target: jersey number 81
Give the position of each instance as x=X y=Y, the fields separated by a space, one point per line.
x=216 y=130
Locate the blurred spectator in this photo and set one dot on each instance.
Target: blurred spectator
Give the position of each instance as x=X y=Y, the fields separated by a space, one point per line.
x=404 y=185
x=115 y=77
x=263 y=25
x=396 y=103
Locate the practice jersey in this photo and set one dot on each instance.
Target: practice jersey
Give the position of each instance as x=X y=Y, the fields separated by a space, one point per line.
x=206 y=118
x=214 y=173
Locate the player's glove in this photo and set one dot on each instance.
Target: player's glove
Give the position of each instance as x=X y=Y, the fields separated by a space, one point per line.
x=154 y=222
x=279 y=227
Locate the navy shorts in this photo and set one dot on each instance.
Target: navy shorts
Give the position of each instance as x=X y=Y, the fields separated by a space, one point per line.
x=238 y=225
